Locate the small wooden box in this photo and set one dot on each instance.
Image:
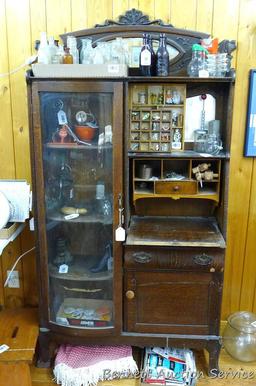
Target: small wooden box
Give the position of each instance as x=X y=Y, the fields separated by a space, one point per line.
x=8 y=230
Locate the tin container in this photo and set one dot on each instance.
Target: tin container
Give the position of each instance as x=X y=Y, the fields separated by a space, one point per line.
x=145 y=172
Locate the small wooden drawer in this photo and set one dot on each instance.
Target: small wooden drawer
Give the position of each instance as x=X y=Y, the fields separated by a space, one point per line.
x=176 y=187
x=154 y=258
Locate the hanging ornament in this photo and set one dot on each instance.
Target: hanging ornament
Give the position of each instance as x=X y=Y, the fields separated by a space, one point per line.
x=203 y=98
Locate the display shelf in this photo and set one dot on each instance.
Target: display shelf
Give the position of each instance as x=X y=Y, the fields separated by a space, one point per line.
x=5 y=242
x=79 y=270
x=90 y=218
x=180 y=154
x=76 y=146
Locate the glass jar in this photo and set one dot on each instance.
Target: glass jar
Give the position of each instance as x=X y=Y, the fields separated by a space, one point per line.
x=200 y=141
x=239 y=336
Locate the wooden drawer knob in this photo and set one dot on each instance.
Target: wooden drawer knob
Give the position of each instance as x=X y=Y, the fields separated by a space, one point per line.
x=130 y=294
x=176 y=188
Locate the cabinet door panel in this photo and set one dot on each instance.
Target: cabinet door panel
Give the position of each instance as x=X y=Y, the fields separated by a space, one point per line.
x=77 y=158
x=170 y=302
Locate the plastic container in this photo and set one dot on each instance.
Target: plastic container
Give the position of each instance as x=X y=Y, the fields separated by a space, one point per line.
x=239 y=336
x=197 y=67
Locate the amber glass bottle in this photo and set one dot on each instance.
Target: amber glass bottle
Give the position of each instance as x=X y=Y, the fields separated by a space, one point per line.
x=67 y=57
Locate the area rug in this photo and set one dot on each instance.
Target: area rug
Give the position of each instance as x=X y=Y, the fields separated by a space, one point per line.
x=87 y=365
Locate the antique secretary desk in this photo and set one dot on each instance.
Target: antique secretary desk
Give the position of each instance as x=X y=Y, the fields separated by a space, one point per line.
x=163 y=284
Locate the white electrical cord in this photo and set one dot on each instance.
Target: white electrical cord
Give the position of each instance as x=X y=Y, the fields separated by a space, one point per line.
x=28 y=61
x=14 y=265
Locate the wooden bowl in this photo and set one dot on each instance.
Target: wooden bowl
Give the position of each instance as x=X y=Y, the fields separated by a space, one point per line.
x=85 y=133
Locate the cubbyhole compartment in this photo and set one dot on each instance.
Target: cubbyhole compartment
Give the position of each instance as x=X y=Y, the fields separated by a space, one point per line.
x=176 y=169
x=208 y=188
x=135 y=115
x=207 y=170
x=144 y=187
x=146 y=169
x=155 y=95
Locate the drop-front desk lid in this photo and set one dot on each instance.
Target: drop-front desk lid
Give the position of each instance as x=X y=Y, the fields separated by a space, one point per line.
x=175 y=231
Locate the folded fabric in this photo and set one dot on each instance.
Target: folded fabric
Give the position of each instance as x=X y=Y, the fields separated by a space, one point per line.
x=86 y=365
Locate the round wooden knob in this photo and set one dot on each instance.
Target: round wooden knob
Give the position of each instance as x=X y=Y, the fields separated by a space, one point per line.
x=176 y=188
x=130 y=294
x=212 y=269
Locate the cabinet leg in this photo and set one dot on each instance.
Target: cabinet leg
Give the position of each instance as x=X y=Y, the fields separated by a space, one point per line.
x=213 y=348
x=44 y=357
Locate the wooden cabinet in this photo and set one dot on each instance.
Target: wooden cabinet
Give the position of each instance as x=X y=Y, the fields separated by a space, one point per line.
x=164 y=302
x=163 y=285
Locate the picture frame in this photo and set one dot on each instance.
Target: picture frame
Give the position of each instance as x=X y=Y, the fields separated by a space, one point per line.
x=250 y=133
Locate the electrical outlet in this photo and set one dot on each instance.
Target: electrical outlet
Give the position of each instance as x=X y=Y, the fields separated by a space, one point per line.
x=14 y=281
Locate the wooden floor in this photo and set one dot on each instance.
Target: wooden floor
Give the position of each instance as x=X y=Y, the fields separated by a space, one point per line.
x=232 y=373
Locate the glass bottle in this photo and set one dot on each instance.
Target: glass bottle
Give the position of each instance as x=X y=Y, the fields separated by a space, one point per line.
x=162 y=58
x=52 y=49
x=153 y=55
x=72 y=45
x=98 y=57
x=145 y=58
x=67 y=58
x=86 y=51
x=43 y=51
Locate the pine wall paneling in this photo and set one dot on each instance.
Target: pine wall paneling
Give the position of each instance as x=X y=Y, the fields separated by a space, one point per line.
x=21 y=23
x=246 y=58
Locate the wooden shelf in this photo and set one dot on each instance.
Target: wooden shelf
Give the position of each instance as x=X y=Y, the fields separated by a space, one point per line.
x=178 y=154
x=156 y=106
x=174 y=231
x=79 y=271
x=75 y=146
x=91 y=218
x=5 y=242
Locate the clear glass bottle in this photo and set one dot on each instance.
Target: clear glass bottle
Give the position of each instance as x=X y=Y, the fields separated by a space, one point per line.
x=145 y=58
x=86 y=51
x=162 y=58
x=72 y=45
x=98 y=57
x=52 y=49
x=153 y=56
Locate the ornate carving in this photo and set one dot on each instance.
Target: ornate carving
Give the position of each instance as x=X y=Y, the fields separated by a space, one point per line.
x=227 y=46
x=203 y=259
x=133 y=17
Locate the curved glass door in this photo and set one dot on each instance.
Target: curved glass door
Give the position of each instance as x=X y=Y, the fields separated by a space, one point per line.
x=78 y=186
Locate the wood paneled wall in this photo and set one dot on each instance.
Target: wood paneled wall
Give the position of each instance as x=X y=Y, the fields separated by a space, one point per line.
x=21 y=22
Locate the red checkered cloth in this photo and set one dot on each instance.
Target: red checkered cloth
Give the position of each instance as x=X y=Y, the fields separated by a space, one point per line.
x=86 y=365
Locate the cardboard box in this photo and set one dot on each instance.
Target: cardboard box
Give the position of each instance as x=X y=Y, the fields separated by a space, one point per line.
x=8 y=230
x=80 y=70
x=79 y=312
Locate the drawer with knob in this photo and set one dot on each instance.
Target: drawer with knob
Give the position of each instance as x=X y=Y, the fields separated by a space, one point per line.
x=176 y=187
x=199 y=259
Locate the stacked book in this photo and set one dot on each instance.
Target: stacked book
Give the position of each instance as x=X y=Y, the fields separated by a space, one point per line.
x=169 y=366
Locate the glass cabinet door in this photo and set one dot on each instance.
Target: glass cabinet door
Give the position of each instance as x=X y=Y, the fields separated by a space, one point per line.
x=78 y=201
